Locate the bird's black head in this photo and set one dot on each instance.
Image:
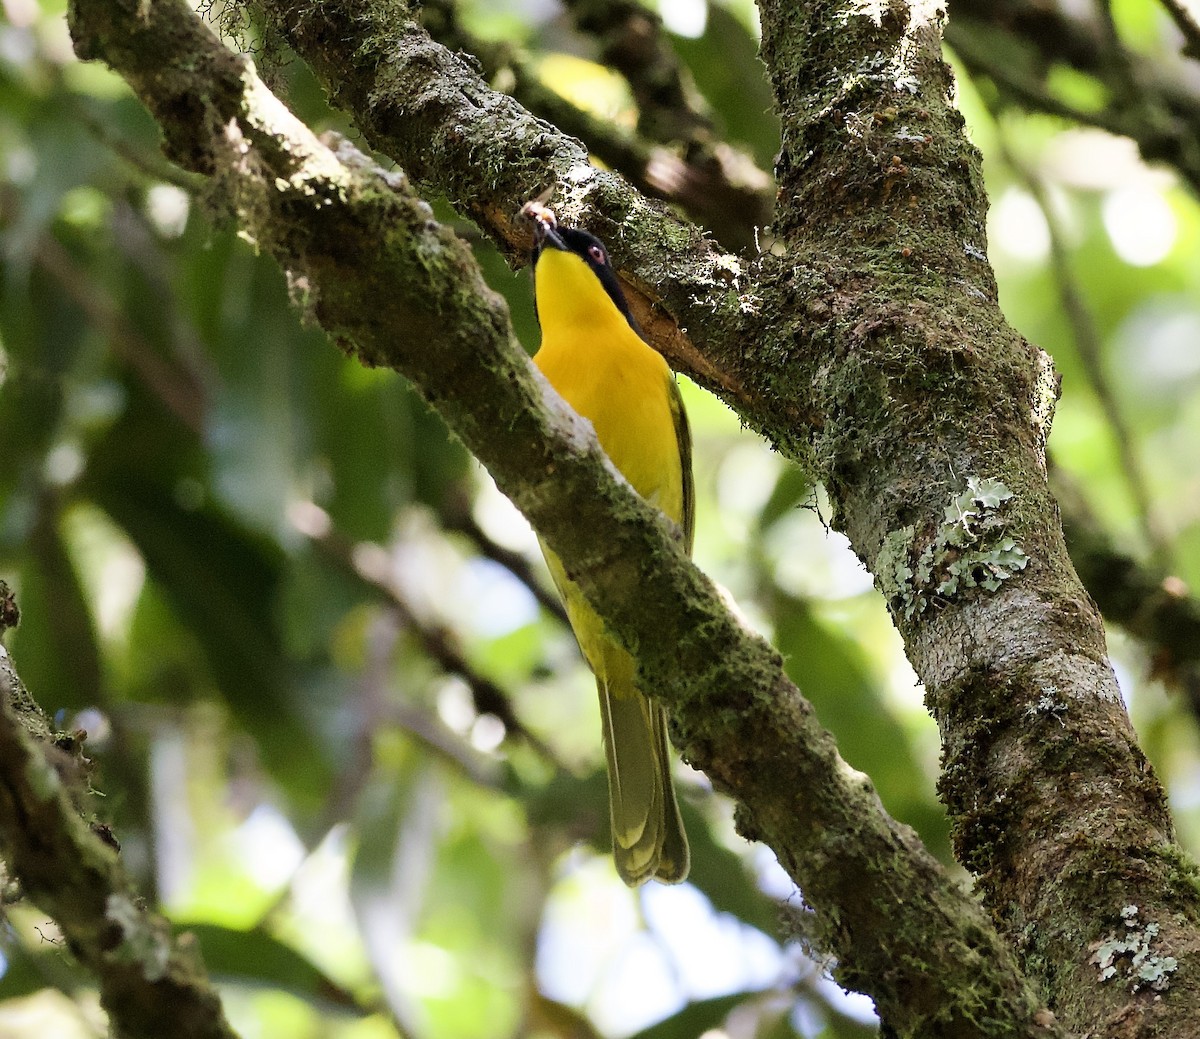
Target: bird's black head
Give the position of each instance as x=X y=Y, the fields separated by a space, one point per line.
x=548 y=234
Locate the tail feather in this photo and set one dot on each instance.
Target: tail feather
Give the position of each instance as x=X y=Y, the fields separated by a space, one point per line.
x=647 y=832
x=674 y=857
x=648 y=835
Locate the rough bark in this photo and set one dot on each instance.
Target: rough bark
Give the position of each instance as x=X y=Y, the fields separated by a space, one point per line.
x=152 y=984
x=413 y=299
x=924 y=387
x=873 y=352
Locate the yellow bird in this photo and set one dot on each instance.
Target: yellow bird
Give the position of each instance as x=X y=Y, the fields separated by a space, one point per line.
x=594 y=356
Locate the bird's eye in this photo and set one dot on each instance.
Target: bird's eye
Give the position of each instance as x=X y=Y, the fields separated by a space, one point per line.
x=596 y=252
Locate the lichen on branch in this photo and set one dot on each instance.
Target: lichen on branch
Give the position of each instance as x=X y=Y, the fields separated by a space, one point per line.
x=394 y=287
x=152 y=983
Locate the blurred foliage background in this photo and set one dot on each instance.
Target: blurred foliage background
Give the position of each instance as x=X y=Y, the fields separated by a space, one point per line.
x=341 y=732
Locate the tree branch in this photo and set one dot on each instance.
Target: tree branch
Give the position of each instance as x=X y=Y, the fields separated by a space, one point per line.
x=151 y=984
x=717 y=185
x=1016 y=42
x=430 y=111
x=1185 y=22
x=631 y=40
x=935 y=413
x=395 y=288
x=441 y=644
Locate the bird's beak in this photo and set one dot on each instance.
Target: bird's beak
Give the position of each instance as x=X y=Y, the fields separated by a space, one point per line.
x=545 y=227
x=545 y=233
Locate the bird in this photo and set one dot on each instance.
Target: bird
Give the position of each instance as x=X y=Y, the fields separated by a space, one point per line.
x=592 y=352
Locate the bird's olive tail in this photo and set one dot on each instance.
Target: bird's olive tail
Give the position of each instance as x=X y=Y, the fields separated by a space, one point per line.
x=648 y=836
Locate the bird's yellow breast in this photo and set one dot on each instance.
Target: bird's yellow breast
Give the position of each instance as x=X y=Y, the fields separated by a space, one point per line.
x=604 y=370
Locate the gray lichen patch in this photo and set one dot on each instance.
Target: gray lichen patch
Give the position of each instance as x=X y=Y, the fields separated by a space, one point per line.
x=141 y=941
x=1131 y=958
x=1048 y=705
x=969 y=549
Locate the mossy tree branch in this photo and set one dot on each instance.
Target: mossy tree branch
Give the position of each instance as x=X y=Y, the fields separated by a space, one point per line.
x=715 y=184
x=396 y=288
x=924 y=387
x=872 y=351
x=699 y=288
x=151 y=983
x=432 y=112
x=883 y=323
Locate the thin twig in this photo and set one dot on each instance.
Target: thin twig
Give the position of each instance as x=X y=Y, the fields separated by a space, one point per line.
x=178 y=390
x=456 y=516
x=1145 y=103
x=1090 y=347
x=1186 y=23
x=1030 y=90
x=1146 y=600
x=441 y=645
x=151 y=165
